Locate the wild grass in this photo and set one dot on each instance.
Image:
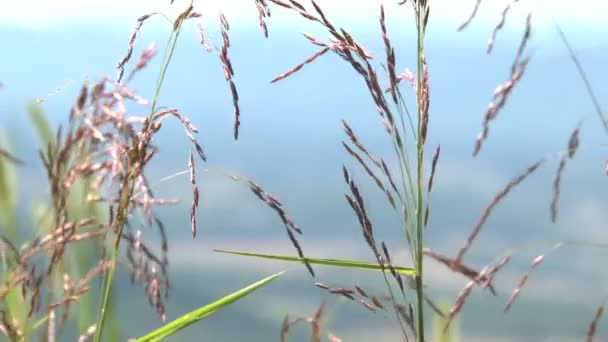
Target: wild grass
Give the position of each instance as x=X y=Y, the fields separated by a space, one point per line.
x=99 y=191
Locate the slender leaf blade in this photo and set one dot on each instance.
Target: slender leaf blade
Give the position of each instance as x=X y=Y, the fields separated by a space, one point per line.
x=327 y=262
x=41 y=124
x=201 y=313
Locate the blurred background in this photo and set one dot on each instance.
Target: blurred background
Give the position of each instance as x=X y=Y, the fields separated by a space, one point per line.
x=290 y=144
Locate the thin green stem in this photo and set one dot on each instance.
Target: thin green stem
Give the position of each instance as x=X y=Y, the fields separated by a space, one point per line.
x=163 y=71
x=128 y=187
x=420 y=176
x=126 y=193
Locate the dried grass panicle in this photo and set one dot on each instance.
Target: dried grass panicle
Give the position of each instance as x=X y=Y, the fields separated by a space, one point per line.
x=377 y=94
x=195 y=195
x=407 y=316
x=433 y=168
x=596 y=319
x=390 y=56
x=290 y=226
x=316 y=324
x=330 y=27
x=522 y=45
x=367 y=305
x=391 y=268
x=263 y=13
x=460 y=300
x=141 y=255
x=80 y=101
x=106 y=146
x=424 y=100
x=343 y=44
x=495 y=201
x=348 y=293
x=23 y=270
x=361 y=292
x=73 y=290
x=484 y=279
x=471 y=16
x=493 y=270
x=573 y=143
x=322 y=286
x=154 y=293
x=377 y=302
x=143 y=267
x=355 y=200
x=390 y=179
x=123 y=61
x=502 y=92
x=202 y=38
x=458 y=267
x=189 y=128
x=301 y=65
x=297 y=5
x=367 y=169
x=281 y=3
x=515 y=293
x=186 y=14
x=274 y=204
x=24 y=261
x=284 y=329
x=314 y=40
x=499 y=26
x=352 y=295
x=146 y=56
x=193 y=14
x=353 y=138
x=534 y=264
x=103 y=144
x=229 y=74
x=300 y=9
x=314 y=321
x=430 y=184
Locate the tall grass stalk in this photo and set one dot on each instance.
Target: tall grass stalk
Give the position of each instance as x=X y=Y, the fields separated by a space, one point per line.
x=421 y=13
x=129 y=181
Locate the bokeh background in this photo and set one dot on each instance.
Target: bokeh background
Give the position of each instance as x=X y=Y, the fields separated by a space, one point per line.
x=290 y=144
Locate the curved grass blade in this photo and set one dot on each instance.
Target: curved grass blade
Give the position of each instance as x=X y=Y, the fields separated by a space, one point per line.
x=201 y=313
x=327 y=262
x=41 y=124
x=14 y=303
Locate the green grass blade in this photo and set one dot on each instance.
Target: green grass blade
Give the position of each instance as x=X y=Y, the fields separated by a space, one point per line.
x=41 y=124
x=15 y=304
x=8 y=193
x=199 y=314
x=441 y=331
x=327 y=262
